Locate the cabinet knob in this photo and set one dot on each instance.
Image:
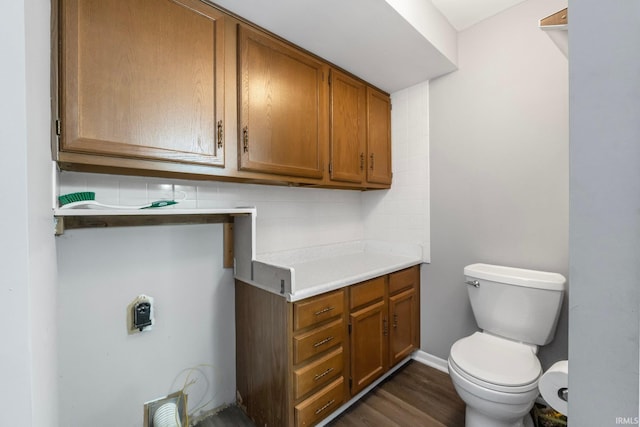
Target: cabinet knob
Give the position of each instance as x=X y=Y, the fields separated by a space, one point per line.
x=322 y=342
x=220 y=134
x=245 y=139
x=324 y=310
x=323 y=374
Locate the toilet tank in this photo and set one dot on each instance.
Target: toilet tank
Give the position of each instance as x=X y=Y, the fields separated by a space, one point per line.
x=522 y=305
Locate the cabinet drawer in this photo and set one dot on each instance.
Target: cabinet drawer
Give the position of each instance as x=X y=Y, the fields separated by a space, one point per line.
x=404 y=279
x=317 y=309
x=321 y=404
x=366 y=292
x=317 y=341
x=318 y=373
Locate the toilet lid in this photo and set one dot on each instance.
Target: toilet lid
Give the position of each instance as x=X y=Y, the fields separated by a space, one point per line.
x=496 y=360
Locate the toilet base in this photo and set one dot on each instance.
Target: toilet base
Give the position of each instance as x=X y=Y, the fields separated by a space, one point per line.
x=474 y=418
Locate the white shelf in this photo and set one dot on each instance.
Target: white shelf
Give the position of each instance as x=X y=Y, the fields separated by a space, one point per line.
x=152 y=211
x=97 y=217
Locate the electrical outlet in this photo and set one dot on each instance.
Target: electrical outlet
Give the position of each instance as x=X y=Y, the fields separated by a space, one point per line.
x=170 y=410
x=140 y=314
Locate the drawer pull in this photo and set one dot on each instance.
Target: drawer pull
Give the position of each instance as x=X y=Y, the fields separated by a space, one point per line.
x=329 y=403
x=323 y=342
x=325 y=373
x=324 y=310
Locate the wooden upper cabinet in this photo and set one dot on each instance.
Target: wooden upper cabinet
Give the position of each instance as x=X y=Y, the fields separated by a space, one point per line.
x=348 y=118
x=282 y=107
x=378 y=137
x=142 y=79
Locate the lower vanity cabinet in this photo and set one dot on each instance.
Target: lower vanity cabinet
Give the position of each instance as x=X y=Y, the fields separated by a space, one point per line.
x=404 y=314
x=368 y=320
x=297 y=362
x=384 y=321
x=291 y=358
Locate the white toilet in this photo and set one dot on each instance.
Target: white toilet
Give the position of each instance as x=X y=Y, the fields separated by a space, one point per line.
x=496 y=371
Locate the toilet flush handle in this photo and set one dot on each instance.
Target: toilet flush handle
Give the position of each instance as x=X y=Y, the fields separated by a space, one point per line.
x=473 y=283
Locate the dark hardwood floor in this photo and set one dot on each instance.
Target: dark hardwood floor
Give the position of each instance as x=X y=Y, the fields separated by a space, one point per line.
x=415 y=396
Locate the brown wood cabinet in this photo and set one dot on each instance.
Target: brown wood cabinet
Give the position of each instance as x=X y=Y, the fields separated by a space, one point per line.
x=282 y=103
x=360 y=143
x=348 y=116
x=404 y=314
x=298 y=362
x=183 y=89
x=291 y=359
x=141 y=80
x=378 y=137
x=384 y=323
x=369 y=331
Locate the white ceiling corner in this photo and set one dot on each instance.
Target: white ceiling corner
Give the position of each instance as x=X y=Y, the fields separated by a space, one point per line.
x=463 y=14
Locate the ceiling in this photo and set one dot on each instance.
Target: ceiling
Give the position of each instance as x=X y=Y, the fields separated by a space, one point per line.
x=462 y=14
x=392 y=44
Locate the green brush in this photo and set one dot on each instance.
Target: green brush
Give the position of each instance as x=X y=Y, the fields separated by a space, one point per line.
x=86 y=199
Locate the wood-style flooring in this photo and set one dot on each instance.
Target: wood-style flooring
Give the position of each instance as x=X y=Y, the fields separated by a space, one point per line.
x=415 y=396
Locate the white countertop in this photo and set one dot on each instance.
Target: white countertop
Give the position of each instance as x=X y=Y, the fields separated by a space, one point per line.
x=307 y=272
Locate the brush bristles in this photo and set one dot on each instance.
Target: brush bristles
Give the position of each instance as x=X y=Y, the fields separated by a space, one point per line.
x=65 y=199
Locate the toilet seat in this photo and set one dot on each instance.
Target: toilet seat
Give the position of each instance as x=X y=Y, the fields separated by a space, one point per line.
x=496 y=363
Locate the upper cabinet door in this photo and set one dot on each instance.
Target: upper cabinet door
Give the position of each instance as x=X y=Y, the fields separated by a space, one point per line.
x=348 y=111
x=142 y=79
x=282 y=101
x=378 y=137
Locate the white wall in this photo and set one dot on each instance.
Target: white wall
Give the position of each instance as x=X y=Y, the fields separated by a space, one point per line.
x=605 y=202
x=15 y=353
x=27 y=288
x=499 y=167
x=106 y=372
x=402 y=213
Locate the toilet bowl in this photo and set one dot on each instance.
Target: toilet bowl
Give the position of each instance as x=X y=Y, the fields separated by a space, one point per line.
x=495 y=371
x=496 y=378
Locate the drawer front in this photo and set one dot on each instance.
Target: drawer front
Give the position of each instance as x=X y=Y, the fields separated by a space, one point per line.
x=314 y=310
x=317 y=341
x=321 y=404
x=366 y=292
x=318 y=373
x=404 y=279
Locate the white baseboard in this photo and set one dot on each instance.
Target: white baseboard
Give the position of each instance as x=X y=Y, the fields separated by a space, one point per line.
x=431 y=360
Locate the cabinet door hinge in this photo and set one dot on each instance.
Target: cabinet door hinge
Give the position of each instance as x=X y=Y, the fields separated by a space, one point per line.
x=350 y=383
x=58 y=127
x=349 y=327
x=330 y=167
x=330 y=74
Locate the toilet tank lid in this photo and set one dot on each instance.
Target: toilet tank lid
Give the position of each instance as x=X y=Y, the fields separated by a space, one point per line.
x=516 y=276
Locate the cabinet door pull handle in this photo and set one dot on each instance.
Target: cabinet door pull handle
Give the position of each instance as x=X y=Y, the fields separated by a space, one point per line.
x=323 y=342
x=325 y=373
x=372 y=158
x=220 y=134
x=245 y=139
x=324 y=310
x=329 y=403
